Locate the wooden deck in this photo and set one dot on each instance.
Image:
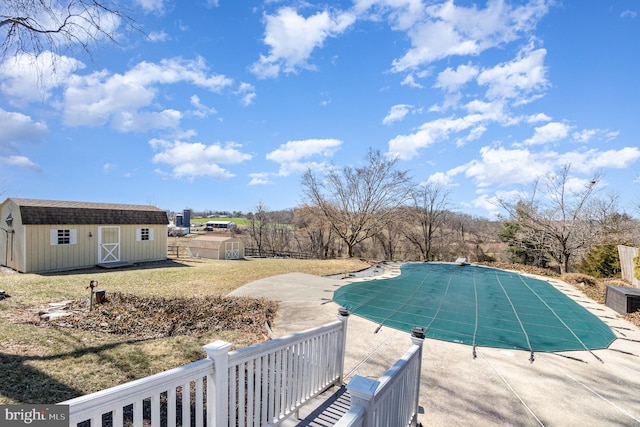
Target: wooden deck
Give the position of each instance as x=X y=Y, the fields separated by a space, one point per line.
x=324 y=411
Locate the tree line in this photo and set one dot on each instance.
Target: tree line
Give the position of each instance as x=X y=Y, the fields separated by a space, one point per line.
x=375 y=211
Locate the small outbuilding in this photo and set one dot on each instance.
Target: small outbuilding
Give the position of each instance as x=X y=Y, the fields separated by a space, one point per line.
x=46 y=235
x=216 y=247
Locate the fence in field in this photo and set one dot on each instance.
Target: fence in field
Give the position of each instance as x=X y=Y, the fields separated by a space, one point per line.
x=392 y=400
x=260 y=385
x=277 y=254
x=177 y=251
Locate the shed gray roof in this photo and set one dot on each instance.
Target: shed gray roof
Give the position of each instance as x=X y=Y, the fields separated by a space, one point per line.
x=34 y=211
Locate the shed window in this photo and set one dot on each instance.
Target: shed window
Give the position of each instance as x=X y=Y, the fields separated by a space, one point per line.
x=63 y=236
x=144 y=234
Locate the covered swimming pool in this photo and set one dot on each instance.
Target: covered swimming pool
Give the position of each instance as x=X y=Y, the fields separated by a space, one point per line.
x=478 y=306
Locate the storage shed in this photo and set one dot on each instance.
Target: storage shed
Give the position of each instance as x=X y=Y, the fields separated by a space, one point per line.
x=46 y=235
x=216 y=247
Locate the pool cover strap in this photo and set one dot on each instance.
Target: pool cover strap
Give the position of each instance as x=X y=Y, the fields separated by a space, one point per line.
x=478 y=306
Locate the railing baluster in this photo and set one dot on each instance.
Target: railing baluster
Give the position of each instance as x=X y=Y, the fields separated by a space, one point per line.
x=171 y=408
x=242 y=392
x=199 y=403
x=137 y=413
x=117 y=414
x=233 y=396
x=251 y=395
x=265 y=379
x=155 y=409
x=186 y=403
x=290 y=374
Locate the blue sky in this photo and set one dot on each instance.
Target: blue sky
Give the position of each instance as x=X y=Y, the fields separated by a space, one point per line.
x=224 y=104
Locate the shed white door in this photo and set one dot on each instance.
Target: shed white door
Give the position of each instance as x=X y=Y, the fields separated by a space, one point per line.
x=231 y=250
x=108 y=244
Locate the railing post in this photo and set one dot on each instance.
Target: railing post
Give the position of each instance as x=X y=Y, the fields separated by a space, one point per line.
x=417 y=338
x=343 y=316
x=362 y=391
x=218 y=383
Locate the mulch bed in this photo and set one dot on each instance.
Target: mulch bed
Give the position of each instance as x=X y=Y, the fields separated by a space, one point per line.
x=158 y=317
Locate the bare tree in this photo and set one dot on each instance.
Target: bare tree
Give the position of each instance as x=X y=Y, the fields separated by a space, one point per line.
x=358 y=202
x=258 y=225
x=279 y=231
x=559 y=221
x=312 y=224
x=35 y=26
x=429 y=213
x=390 y=236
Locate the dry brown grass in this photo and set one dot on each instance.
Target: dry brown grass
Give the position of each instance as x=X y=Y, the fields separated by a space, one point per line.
x=596 y=289
x=47 y=365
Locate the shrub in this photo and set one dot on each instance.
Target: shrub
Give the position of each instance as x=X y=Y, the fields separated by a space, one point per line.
x=601 y=261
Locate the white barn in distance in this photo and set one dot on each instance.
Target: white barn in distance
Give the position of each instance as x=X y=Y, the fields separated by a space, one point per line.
x=47 y=235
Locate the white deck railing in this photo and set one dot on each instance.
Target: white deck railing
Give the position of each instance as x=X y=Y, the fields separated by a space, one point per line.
x=254 y=386
x=392 y=400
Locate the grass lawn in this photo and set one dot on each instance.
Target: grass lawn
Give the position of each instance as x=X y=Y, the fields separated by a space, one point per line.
x=47 y=365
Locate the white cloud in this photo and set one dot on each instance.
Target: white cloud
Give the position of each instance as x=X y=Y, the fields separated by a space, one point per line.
x=550 y=132
x=292 y=39
x=123 y=100
x=18 y=128
x=143 y=121
x=500 y=166
x=403 y=14
x=396 y=113
x=195 y=159
x=30 y=79
x=158 y=36
x=629 y=14
x=410 y=81
x=537 y=118
x=439 y=178
x=293 y=156
x=247 y=93
x=107 y=167
x=259 y=178
x=452 y=80
x=490 y=204
x=406 y=147
x=587 y=135
x=594 y=160
x=458 y=30
x=297 y=150
x=201 y=109
x=473 y=135
x=151 y=5
x=21 y=162
x=513 y=80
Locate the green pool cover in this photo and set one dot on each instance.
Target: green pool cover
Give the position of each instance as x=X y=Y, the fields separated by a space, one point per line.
x=478 y=306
